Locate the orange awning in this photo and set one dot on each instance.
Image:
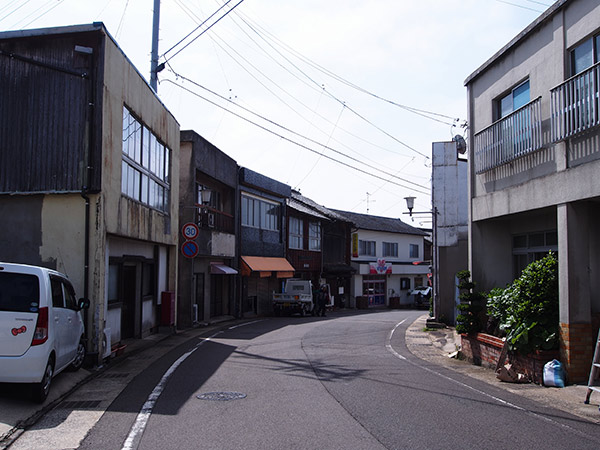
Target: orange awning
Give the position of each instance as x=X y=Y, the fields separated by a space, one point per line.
x=265 y=266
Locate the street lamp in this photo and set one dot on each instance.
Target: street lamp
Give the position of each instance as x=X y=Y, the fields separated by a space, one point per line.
x=410 y=204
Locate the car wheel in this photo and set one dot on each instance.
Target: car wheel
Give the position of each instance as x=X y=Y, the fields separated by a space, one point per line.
x=79 y=357
x=41 y=390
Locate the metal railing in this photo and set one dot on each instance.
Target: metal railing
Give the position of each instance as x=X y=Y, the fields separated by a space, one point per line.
x=212 y=218
x=509 y=138
x=575 y=104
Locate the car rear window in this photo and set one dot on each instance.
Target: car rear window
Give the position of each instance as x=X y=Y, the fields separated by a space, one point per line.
x=19 y=292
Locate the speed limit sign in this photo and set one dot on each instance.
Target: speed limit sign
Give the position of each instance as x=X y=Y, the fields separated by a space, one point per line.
x=190 y=231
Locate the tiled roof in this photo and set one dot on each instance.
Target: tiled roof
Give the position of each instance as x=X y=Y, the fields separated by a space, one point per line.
x=377 y=223
x=308 y=203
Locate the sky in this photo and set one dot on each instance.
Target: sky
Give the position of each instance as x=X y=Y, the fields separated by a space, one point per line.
x=340 y=100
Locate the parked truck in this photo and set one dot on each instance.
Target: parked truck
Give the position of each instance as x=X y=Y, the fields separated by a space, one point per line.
x=297 y=297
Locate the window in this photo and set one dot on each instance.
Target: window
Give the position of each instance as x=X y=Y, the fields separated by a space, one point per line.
x=585 y=55
x=531 y=247
x=314 y=236
x=366 y=248
x=145 y=165
x=390 y=249
x=19 y=292
x=295 y=233
x=516 y=98
x=259 y=213
x=413 y=251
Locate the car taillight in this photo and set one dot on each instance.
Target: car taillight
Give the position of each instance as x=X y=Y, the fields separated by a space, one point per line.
x=41 y=328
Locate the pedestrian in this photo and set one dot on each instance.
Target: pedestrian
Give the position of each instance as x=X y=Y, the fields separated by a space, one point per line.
x=322 y=298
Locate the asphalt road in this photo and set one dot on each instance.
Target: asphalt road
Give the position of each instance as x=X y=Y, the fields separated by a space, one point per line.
x=340 y=382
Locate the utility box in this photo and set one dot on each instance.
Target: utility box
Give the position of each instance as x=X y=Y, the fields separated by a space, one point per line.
x=167 y=310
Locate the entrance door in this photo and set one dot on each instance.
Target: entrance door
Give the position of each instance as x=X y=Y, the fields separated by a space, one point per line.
x=216 y=295
x=129 y=302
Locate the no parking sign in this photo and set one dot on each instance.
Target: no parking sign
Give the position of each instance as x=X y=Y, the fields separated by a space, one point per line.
x=189 y=249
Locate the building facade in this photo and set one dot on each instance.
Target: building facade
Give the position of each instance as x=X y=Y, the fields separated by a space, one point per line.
x=263 y=231
x=387 y=256
x=92 y=196
x=534 y=161
x=207 y=286
x=450 y=198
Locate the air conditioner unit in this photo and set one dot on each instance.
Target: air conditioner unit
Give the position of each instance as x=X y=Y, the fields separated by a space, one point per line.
x=106 y=343
x=195 y=313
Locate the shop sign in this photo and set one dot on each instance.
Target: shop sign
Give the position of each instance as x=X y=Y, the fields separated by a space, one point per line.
x=380 y=267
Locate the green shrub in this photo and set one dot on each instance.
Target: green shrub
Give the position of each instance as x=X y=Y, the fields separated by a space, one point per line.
x=471 y=305
x=527 y=309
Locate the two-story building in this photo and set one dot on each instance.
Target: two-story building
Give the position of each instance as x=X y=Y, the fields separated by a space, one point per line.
x=262 y=239
x=208 y=260
x=534 y=161
x=386 y=254
x=87 y=158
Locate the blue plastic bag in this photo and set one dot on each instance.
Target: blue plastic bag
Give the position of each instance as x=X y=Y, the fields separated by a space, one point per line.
x=554 y=374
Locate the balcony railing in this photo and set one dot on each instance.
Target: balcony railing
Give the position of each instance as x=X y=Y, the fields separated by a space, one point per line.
x=211 y=218
x=511 y=137
x=575 y=104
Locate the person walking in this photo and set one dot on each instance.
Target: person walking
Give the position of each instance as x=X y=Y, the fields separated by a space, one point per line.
x=322 y=298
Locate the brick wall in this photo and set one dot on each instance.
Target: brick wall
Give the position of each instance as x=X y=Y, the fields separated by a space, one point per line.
x=484 y=350
x=577 y=344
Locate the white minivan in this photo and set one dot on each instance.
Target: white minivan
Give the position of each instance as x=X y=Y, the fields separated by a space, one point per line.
x=41 y=326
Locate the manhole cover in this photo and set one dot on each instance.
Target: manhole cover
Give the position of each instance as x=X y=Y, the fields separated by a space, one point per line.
x=221 y=396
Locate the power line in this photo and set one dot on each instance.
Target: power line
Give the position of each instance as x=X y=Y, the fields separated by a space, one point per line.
x=320 y=68
x=309 y=85
x=204 y=31
x=519 y=6
x=298 y=143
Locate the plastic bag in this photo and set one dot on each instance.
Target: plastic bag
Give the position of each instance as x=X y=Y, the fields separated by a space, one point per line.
x=554 y=374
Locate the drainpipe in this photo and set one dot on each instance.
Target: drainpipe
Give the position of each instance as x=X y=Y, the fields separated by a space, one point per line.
x=87 y=174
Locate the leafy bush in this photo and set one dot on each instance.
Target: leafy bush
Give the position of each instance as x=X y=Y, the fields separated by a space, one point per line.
x=527 y=309
x=471 y=305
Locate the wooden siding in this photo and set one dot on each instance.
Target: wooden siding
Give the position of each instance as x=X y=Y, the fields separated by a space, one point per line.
x=44 y=114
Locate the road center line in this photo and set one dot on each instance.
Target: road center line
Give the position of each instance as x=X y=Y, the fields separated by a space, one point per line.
x=138 y=427
x=388 y=344
x=244 y=324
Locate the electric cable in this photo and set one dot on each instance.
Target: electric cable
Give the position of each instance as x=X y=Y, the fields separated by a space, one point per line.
x=42 y=14
x=302 y=145
x=288 y=129
x=203 y=31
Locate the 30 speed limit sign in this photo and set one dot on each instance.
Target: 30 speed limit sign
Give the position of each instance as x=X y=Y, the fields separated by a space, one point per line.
x=190 y=231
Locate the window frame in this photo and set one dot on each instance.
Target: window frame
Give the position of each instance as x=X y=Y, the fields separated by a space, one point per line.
x=389 y=249
x=314 y=236
x=145 y=165
x=296 y=233
x=411 y=253
x=260 y=213
x=594 y=40
x=365 y=247
x=499 y=113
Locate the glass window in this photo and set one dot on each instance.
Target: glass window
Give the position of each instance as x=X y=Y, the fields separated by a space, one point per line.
x=517 y=98
x=57 y=293
x=582 y=56
x=366 y=248
x=70 y=300
x=295 y=233
x=390 y=249
x=19 y=292
x=413 y=251
x=314 y=236
x=145 y=168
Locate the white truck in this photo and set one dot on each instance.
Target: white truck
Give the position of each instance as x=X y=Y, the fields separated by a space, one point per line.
x=296 y=298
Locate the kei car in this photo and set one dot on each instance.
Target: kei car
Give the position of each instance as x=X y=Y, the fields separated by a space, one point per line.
x=41 y=326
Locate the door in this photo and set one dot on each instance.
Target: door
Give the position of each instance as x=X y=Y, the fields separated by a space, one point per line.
x=128 y=311
x=59 y=318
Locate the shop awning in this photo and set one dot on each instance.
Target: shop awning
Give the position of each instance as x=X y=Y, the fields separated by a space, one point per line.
x=266 y=266
x=222 y=269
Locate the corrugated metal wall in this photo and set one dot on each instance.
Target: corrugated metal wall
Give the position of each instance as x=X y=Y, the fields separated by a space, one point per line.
x=44 y=112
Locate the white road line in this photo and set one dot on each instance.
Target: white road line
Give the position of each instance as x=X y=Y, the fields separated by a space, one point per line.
x=244 y=324
x=388 y=344
x=138 y=427
x=485 y=394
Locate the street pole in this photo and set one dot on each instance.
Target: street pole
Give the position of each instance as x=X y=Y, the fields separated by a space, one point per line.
x=154 y=55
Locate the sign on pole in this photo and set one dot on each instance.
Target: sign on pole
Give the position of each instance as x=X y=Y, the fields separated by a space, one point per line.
x=190 y=231
x=189 y=249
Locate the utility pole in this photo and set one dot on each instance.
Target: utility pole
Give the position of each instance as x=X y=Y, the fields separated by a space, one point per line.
x=154 y=56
